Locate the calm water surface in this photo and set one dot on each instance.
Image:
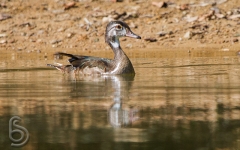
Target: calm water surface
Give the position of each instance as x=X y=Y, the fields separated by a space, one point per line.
x=176 y=101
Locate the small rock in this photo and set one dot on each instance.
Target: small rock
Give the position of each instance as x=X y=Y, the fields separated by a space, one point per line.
x=235 y=40
x=95 y=40
x=25 y=24
x=58 y=11
x=61 y=29
x=54 y=45
x=183 y=7
x=191 y=19
x=55 y=41
x=4 y=16
x=221 y=1
x=32 y=40
x=69 y=35
x=69 y=5
x=129 y=46
x=233 y=17
x=30 y=34
x=39 y=40
x=205 y=16
x=132 y=25
x=40 y=32
x=216 y=10
x=188 y=35
x=3 y=41
x=3 y=5
x=213 y=17
x=220 y=16
x=225 y=49
x=3 y=35
x=229 y=13
x=160 y=4
x=107 y=19
x=23 y=34
x=20 y=48
x=83 y=37
x=162 y=33
x=12 y=41
x=238 y=53
x=62 y=17
x=151 y=39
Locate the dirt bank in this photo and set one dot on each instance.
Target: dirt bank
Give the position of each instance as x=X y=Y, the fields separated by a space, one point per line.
x=43 y=25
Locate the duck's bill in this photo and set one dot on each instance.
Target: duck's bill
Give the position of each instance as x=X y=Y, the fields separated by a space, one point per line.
x=133 y=35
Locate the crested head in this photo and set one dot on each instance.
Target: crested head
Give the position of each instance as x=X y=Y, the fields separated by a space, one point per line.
x=117 y=29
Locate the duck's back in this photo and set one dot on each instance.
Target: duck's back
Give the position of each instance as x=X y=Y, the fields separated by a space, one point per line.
x=89 y=64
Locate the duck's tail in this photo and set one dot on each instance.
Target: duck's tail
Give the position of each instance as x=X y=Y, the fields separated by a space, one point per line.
x=66 y=54
x=72 y=57
x=62 y=68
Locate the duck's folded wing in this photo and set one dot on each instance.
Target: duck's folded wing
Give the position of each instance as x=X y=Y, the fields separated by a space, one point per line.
x=89 y=62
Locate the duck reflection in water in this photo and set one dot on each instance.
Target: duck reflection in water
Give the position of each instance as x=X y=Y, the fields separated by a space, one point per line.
x=121 y=114
x=115 y=86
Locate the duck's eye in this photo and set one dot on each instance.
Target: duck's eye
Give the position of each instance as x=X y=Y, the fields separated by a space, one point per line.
x=119 y=27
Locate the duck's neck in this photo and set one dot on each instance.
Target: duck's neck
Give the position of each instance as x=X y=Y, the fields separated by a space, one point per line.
x=121 y=63
x=118 y=52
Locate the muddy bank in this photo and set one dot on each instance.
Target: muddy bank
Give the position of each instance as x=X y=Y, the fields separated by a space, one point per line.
x=53 y=25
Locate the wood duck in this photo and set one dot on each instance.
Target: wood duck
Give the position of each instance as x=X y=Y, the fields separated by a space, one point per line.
x=95 y=65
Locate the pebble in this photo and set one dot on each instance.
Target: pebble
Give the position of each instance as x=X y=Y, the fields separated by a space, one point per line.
x=40 y=32
x=183 y=7
x=61 y=29
x=235 y=40
x=162 y=33
x=233 y=17
x=69 y=5
x=151 y=39
x=107 y=19
x=160 y=4
x=188 y=35
x=213 y=17
x=3 y=41
x=229 y=12
x=55 y=41
x=132 y=25
x=39 y=40
x=4 y=16
x=129 y=46
x=225 y=49
x=12 y=41
x=54 y=45
x=220 y=16
x=221 y=1
x=3 y=35
x=23 y=34
x=191 y=19
x=58 y=11
x=69 y=35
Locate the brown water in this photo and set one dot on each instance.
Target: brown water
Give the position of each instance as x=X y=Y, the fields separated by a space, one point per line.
x=176 y=101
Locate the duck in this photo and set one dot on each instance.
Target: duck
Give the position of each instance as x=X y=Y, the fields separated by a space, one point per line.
x=88 y=65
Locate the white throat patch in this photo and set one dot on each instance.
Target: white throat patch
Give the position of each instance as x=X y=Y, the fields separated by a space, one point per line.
x=115 y=43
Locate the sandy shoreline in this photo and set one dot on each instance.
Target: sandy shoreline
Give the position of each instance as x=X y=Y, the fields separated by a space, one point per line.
x=48 y=25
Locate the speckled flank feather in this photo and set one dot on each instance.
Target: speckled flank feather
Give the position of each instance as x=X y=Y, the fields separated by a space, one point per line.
x=63 y=68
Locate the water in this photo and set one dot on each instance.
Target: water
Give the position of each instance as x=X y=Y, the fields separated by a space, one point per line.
x=177 y=100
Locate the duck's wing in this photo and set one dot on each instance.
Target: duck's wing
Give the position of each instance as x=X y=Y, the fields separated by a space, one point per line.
x=88 y=64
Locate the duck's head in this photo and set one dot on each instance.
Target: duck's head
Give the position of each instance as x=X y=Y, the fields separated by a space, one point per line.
x=117 y=29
